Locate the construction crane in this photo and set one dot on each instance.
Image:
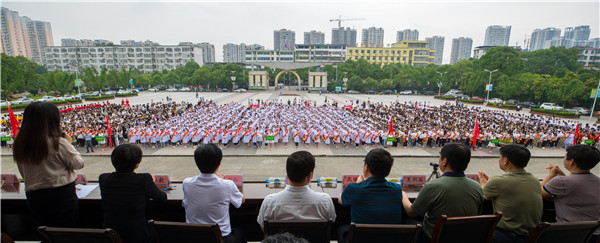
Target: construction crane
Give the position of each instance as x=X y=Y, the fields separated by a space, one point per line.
x=339 y=20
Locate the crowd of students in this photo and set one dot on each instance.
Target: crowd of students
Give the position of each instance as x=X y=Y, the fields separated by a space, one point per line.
x=49 y=176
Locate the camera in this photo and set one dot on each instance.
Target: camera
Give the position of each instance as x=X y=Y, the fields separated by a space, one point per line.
x=435 y=165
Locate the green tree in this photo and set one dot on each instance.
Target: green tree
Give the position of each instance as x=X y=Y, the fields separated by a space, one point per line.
x=355 y=83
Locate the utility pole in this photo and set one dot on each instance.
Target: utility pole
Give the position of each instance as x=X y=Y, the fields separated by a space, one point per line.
x=489 y=83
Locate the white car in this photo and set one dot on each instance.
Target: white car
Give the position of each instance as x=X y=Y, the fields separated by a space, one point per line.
x=240 y=90
x=47 y=98
x=185 y=89
x=22 y=101
x=550 y=106
x=152 y=89
x=123 y=91
x=405 y=92
x=495 y=100
x=171 y=89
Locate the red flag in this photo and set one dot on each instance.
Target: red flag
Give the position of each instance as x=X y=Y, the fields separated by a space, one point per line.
x=475 y=134
x=14 y=124
x=574 y=139
x=109 y=131
x=391 y=129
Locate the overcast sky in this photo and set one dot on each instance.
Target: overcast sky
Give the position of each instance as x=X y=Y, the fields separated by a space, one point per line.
x=251 y=22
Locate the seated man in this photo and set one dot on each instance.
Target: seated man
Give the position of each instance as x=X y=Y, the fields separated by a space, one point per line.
x=125 y=194
x=516 y=194
x=372 y=199
x=576 y=196
x=452 y=194
x=297 y=200
x=206 y=197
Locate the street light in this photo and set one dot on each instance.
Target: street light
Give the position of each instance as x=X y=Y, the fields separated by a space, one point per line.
x=439 y=84
x=489 y=83
x=233 y=80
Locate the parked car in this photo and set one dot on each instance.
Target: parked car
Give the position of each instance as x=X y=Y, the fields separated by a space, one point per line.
x=171 y=89
x=152 y=89
x=353 y=92
x=406 y=92
x=240 y=90
x=371 y=92
x=22 y=101
x=453 y=93
x=477 y=98
x=122 y=91
x=185 y=89
x=224 y=90
x=511 y=102
x=528 y=104
x=387 y=92
x=582 y=111
x=47 y=98
x=550 y=106
x=429 y=93
x=81 y=96
x=139 y=90
x=495 y=100
x=112 y=92
x=464 y=97
x=96 y=93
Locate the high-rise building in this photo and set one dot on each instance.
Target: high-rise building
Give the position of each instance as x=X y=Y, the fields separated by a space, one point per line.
x=578 y=33
x=413 y=53
x=497 y=35
x=208 y=52
x=284 y=39
x=436 y=43
x=314 y=38
x=372 y=36
x=540 y=38
x=461 y=49
x=407 y=34
x=341 y=36
x=22 y=36
x=234 y=53
x=254 y=47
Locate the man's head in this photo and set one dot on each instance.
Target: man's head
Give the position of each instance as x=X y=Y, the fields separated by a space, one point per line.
x=584 y=156
x=456 y=155
x=379 y=162
x=208 y=158
x=514 y=154
x=299 y=166
x=126 y=157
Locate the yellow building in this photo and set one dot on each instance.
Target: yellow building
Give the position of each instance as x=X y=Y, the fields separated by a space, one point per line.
x=414 y=53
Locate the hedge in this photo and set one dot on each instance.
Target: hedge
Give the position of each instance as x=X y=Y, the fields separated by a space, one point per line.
x=13 y=107
x=471 y=101
x=444 y=97
x=553 y=112
x=99 y=97
x=128 y=94
x=57 y=102
x=74 y=100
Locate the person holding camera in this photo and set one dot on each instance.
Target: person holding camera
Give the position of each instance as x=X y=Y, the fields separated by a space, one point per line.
x=452 y=194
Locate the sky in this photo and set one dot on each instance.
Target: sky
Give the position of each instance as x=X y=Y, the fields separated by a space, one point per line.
x=253 y=22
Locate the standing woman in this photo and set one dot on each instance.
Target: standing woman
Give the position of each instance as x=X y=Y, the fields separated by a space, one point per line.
x=47 y=160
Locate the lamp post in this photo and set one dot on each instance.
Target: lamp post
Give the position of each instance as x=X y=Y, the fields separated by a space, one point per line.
x=439 y=84
x=487 y=97
x=233 y=86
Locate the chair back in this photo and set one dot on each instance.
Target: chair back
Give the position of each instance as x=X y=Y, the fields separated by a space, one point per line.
x=315 y=231
x=359 y=233
x=465 y=229
x=165 y=232
x=77 y=235
x=574 y=232
x=6 y=238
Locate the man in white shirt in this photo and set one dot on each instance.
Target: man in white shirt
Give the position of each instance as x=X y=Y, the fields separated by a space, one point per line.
x=297 y=201
x=206 y=197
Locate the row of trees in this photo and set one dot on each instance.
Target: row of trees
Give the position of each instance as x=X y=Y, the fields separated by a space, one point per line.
x=549 y=75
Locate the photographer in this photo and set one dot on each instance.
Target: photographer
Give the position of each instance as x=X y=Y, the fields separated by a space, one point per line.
x=453 y=194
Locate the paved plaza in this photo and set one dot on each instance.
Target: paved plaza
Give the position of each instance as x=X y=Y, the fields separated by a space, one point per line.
x=256 y=164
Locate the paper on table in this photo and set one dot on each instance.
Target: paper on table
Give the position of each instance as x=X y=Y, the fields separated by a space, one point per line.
x=84 y=190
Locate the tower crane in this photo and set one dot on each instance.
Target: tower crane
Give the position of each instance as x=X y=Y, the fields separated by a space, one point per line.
x=339 y=20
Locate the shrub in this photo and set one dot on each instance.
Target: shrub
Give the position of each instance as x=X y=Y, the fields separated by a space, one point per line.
x=553 y=112
x=444 y=97
x=74 y=100
x=100 y=97
x=5 y=108
x=503 y=105
x=58 y=102
x=471 y=101
x=128 y=94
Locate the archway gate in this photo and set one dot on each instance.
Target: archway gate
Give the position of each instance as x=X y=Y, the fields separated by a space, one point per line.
x=259 y=79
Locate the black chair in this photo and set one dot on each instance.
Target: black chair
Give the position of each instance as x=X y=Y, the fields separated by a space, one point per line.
x=474 y=229
x=359 y=233
x=315 y=231
x=177 y=232
x=6 y=238
x=573 y=232
x=78 y=235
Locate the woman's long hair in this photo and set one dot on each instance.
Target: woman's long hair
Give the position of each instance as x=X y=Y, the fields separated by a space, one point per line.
x=40 y=126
